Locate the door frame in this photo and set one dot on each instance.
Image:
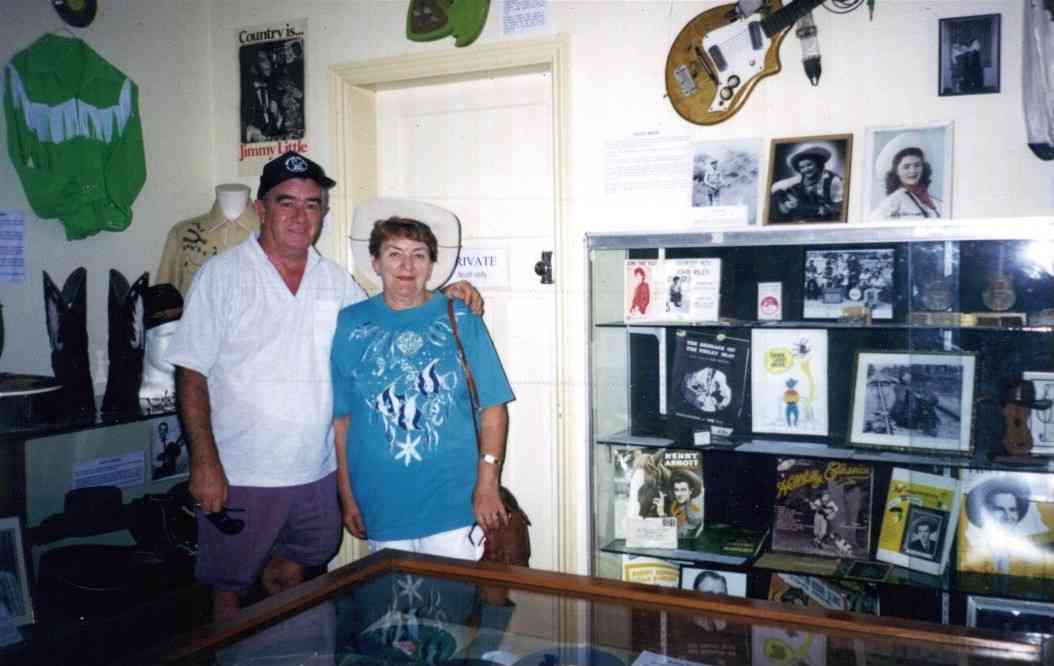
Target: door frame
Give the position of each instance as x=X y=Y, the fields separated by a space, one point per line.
x=353 y=131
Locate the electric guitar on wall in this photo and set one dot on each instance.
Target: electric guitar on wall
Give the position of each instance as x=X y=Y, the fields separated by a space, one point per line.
x=718 y=58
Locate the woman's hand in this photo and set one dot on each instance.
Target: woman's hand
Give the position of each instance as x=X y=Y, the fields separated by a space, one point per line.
x=352 y=517
x=489 y=509
x=464 y=291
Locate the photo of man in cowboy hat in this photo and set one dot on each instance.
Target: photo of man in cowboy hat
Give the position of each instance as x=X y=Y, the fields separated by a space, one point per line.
x=808 y=185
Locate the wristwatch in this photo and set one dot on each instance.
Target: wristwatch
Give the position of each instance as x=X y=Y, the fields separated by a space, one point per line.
x=489 y=459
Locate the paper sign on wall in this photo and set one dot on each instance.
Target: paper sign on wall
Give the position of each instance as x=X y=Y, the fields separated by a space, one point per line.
x=483 y=267
x=123 y=471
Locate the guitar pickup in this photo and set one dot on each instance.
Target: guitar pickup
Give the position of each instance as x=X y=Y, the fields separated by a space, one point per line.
x=754 y=29
x=718 y=58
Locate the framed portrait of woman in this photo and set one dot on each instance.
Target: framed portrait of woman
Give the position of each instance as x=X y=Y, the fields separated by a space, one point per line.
x=908 y=173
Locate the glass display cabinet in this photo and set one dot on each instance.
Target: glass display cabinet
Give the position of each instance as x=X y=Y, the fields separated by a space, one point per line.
x=852 y=417
x=399 y=608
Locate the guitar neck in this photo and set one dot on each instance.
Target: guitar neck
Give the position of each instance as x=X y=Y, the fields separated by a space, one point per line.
x=788 y=16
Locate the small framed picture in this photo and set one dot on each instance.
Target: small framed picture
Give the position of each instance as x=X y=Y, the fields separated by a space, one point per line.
x=1041 y=421
x=911 y=400
x=14 y=579
x=725 y=183
x=836 y=278
x=925 y=533
x=908 y=173
x=1013 y=615
x=970 y=58
x=809 y=179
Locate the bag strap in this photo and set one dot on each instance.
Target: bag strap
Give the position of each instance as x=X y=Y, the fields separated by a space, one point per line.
x=469 y=379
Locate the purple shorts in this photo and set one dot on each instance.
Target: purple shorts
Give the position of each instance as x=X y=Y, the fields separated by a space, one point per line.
x=300 y=523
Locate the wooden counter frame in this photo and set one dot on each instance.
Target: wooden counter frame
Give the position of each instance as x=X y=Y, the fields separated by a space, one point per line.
x=278 y=607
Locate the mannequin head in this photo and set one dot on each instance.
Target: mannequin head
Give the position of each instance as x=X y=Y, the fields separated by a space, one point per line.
x=159 y=381
x=232 y=198
x=163 y=306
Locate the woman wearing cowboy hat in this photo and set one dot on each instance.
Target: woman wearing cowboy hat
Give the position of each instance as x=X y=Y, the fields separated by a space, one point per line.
x=908 y=176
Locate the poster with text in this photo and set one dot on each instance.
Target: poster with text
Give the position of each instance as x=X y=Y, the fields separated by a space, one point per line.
x=272 y=106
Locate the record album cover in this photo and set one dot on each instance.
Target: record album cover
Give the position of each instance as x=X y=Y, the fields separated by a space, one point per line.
x=823 y=507
x=810 y=591
x=1006 y=523
x=709 y=380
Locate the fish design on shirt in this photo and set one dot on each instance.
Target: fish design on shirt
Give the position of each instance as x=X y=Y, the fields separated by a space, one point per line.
x=398 y=410
x=430 y=381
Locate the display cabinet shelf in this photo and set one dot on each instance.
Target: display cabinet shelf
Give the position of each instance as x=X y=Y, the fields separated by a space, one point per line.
x=890 y=304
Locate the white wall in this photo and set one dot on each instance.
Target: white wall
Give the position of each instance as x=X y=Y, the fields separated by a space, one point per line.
x=881 y=72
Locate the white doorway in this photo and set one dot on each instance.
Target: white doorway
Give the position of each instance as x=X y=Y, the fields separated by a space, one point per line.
x=482 y=140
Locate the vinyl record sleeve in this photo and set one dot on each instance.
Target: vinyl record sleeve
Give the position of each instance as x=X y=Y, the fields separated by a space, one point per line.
x=823 y=507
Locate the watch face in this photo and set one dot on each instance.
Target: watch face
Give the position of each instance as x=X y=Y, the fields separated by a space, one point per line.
x=78 y=13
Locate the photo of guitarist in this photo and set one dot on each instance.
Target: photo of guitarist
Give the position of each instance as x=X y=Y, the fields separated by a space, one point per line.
x=814 y=193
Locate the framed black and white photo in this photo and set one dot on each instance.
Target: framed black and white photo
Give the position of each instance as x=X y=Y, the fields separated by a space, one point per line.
x=970 y=55
x=1041 y=421
x=809 y=179
x=925 y=533
x=911 y=400
x=908 y=173
x=725 y=177
x=1013 y=615
x=836 y=278
x=14 y=580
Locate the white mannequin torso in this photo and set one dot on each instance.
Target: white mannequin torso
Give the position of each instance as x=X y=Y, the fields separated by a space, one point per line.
x=232 y=199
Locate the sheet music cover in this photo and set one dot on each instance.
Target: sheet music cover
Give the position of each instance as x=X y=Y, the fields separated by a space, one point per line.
x=663 y=497
x=709 y=380
x=693 y=289
x=919 y=520
x=1006 y=523
x=644 y=291
x=823 y=507
x=789 y=381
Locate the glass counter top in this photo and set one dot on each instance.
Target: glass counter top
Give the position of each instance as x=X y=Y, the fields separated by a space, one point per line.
x=398 y=608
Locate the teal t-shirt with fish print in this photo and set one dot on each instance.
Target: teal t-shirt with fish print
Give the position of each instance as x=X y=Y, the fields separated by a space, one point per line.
x=412 y=451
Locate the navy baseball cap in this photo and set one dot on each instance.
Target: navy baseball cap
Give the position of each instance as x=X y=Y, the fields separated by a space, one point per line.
x=291 y=165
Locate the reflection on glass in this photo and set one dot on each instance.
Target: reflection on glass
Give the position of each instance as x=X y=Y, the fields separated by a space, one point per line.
x=406 y=618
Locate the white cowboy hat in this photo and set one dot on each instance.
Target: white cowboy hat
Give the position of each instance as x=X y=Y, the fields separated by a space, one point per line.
x=443 y=223
x=924 y=142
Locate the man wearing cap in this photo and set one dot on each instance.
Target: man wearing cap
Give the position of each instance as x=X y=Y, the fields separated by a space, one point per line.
x=254 y=392
x=814 y=194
